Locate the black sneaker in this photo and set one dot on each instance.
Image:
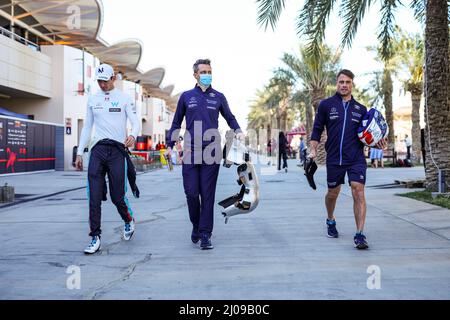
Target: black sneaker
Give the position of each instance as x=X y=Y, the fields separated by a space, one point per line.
x=360 y=241
x=205 y=243
x=332 y=231
x=195 y=237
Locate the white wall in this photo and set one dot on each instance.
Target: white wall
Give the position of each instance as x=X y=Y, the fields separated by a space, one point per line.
x=44 y=109
x=161 y=119
x=66 y=102
x=24 y=69
x=147 y=123
x=75 y=102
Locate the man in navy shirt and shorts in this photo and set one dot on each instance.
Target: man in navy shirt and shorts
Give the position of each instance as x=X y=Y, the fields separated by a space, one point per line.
x=341 y=115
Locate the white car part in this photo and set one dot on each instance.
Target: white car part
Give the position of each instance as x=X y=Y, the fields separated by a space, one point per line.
x=244 y=202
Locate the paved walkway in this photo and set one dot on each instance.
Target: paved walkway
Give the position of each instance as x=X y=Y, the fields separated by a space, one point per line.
x=279 y=251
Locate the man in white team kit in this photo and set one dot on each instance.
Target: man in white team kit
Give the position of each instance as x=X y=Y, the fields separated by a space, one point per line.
x=108 y=111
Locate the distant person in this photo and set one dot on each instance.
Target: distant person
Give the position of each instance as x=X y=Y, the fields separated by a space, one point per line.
x=282 y=143
x=108 y=111
x=273 y=146
x=302 y=151
x=374 y=157
x=408 y=144
x=380 y=159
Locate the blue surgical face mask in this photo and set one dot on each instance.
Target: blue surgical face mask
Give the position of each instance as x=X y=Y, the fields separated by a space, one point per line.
x=205 y=80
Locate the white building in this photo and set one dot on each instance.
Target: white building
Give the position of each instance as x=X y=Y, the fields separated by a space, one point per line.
x=48 y=71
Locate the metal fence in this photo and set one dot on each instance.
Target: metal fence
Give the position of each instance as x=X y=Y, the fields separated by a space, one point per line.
x=153 y=162
x=22 y=40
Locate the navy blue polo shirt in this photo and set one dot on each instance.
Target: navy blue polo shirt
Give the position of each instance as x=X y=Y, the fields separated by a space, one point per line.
x=204 y=107
x=341 y=119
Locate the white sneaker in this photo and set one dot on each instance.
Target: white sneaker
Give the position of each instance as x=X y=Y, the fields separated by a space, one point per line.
x=94 y=246
x=128 y=230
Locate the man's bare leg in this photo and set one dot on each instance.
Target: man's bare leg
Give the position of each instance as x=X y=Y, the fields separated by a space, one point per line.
x=330 y=201
x=359 y=205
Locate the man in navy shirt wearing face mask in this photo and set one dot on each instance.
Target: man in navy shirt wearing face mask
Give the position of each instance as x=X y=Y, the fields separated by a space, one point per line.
x=202 y=148
x=341 y=115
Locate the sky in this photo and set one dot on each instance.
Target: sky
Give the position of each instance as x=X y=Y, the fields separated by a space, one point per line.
x=243 y=55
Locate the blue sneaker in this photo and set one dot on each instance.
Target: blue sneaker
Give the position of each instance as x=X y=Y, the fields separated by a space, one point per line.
x=205 y=243
x=195 y=237
x=332 y=231
x=360 y=241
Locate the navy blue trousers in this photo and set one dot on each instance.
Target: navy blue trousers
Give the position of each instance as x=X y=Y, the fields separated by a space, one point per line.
x=106 y=160
x=199 y=182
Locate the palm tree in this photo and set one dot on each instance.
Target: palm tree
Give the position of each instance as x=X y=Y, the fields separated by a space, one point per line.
x=364 y=96
x=257 y=117
x=264 y=112
x=312 y=21
x=410 y=50
x=437 y=90
x=312 y=74
x=385 y=87
x=279 y=95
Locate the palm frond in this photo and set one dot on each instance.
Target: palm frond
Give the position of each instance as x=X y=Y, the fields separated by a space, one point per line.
x=269 y=12
x=315 y=29
x=387 y=26
x=306 y=15
x=410 y=49
x=293 y=63
x=375 y=90
x=419 y=7
x=352 y=12
x=283 y=76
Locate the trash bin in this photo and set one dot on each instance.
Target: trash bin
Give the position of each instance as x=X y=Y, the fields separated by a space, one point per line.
x=6 y=193
x=74 y=155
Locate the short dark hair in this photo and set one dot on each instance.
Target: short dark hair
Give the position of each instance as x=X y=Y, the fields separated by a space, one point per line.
x=201 y=61
x=346 y=72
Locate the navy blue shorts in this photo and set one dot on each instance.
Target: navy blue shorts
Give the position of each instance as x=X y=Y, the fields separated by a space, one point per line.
x=336 y=174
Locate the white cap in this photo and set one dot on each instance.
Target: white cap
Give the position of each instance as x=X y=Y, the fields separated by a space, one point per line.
x=104 y=72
